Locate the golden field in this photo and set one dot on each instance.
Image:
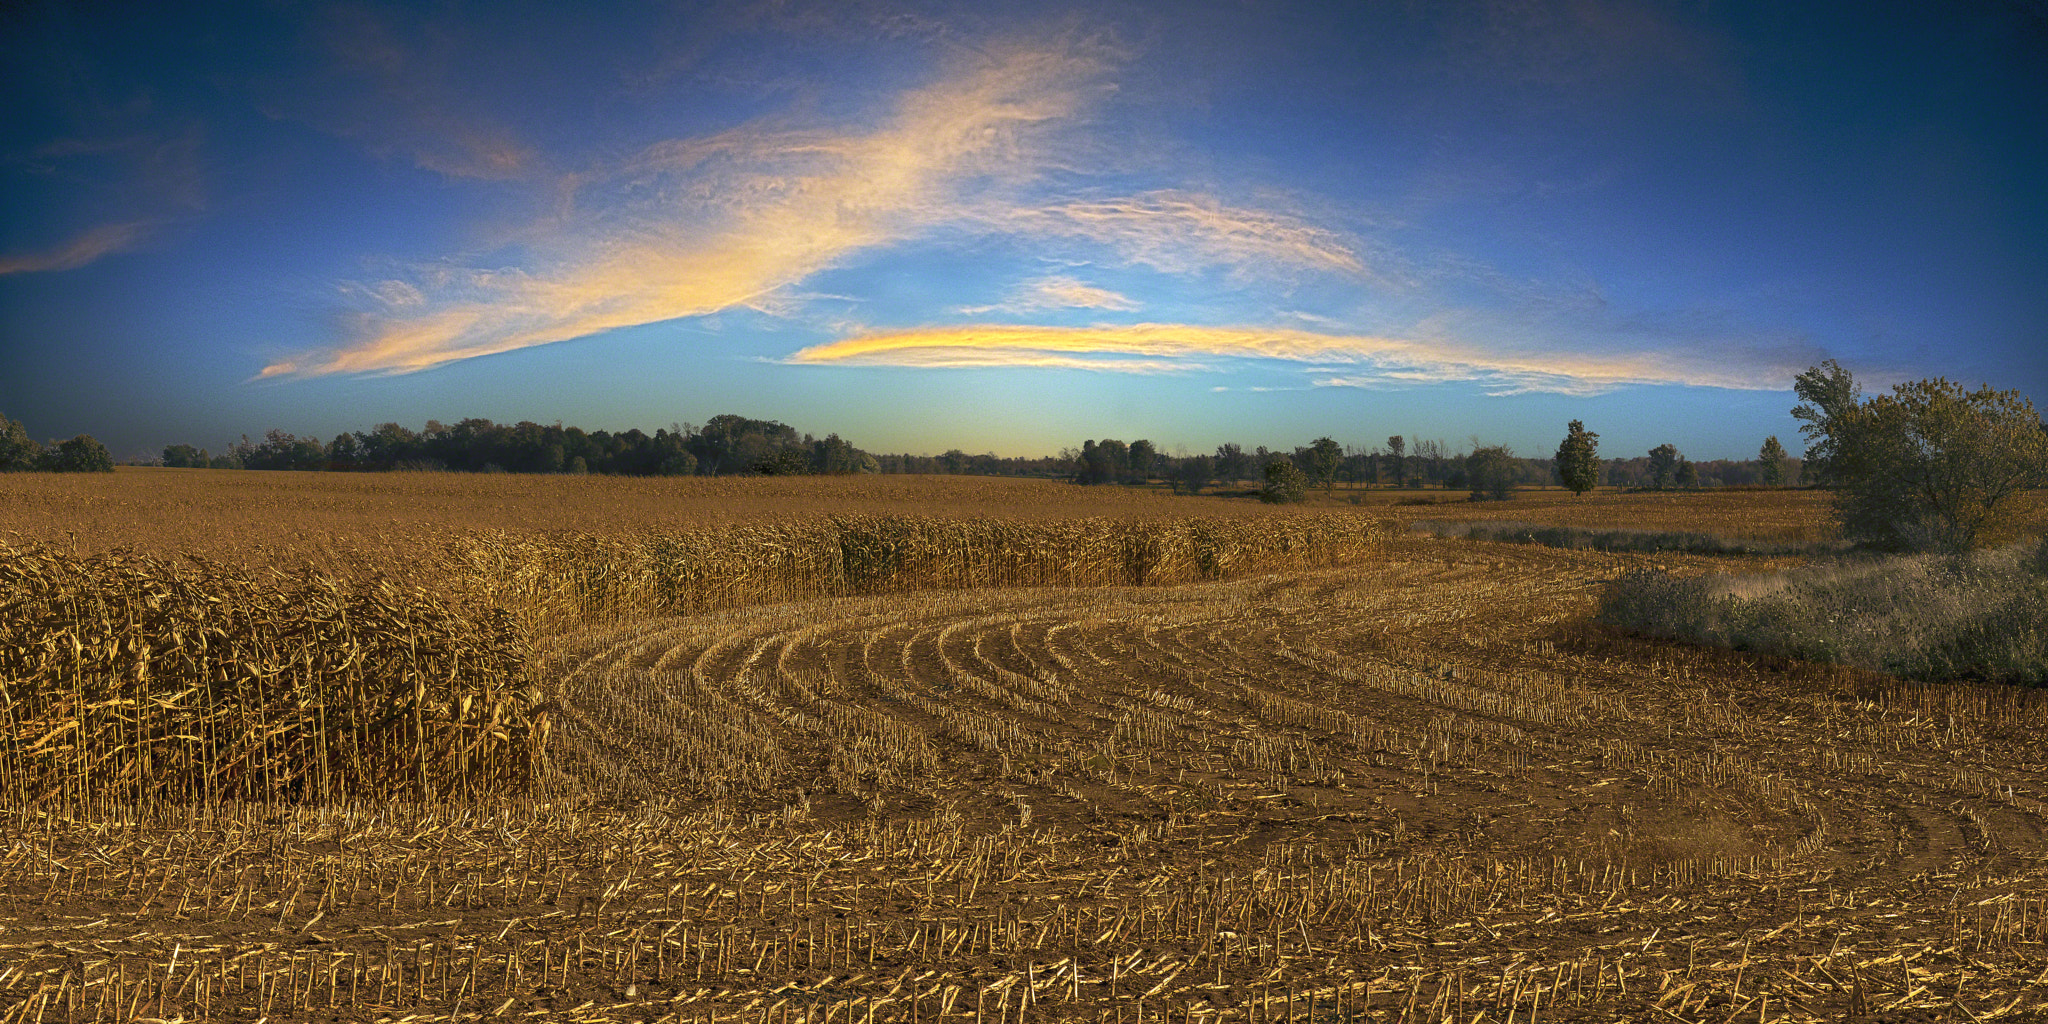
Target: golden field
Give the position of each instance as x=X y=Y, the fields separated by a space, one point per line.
x=959 y=750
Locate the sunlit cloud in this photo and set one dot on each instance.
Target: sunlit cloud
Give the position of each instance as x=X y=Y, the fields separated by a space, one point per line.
x=1377 y=362
x=696 y=226
x=86 y=248
x=1058 y=291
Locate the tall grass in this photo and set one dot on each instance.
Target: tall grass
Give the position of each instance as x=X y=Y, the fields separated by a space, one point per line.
x=1927 y=617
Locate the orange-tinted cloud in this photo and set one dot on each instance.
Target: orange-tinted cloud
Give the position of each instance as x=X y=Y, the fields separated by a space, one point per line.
x=100 y=241
x=1379 y=361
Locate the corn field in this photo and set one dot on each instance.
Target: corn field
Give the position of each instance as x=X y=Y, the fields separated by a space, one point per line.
x=875 y=767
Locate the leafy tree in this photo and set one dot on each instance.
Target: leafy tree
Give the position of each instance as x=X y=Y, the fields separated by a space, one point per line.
x=18 y=451
x=1193 y=474
x=1284 y=483
x=1144 y=457
x=81 y=454
x=281 y=450
x=1578 y=459
x=1096 y=466
x=1232 y=463
x=184 y=456
x=736 y=444
x=1932 y=467
x=1663 y=462
x=1688 y=475
x=1397 y=446
x=1491 y=471
x=1831 y=396
x=1324 y=457
x=835 y=456
x=1771 y=462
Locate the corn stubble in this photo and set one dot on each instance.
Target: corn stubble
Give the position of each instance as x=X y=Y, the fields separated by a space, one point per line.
x=864 y=780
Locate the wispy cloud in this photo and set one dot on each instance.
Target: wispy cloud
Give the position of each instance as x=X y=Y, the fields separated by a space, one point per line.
x=1058 y=291
x=1182 y=232
x=695 y=226
x=86 y=248
x=1375 y=361
x=384 y=86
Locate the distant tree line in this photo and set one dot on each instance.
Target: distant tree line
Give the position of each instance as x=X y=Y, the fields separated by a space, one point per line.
x=1487 y=471
x=19 y=453
x=726 y=445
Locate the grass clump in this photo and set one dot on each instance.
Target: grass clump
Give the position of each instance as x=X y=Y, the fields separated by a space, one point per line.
x=133 y=678
x=1614 y=539
x=1978 y=616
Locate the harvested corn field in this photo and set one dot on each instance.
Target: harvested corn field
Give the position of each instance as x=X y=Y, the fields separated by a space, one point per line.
x=1414 y=788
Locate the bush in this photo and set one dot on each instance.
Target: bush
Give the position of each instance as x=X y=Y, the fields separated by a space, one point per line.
x=1284 y=483
x=1928 y=617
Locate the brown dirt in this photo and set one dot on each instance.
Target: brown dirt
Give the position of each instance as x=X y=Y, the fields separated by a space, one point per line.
x=1419 y=790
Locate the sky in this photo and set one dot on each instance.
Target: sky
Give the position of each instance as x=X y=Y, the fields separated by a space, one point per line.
x=1009 y=227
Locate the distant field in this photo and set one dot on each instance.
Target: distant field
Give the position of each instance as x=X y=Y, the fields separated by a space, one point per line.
x=230 y=514
x=791 y=751
x=241 y=515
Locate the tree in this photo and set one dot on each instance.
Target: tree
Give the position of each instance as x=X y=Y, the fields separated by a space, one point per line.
x=1396 y=447
x=1771 y=459
x=1663 y=461
x=1491 y=473
x=1932 y=467
x=1688 y=475
x=1324 y=457
x=1193 y=474
x=1284 y=483
x=81 y=454
x=1578 y=459
x=1144 y=458
x=1097 y=466
x=184 y=456
x=1831 y=396
x=1232 y=463
x=18 y=451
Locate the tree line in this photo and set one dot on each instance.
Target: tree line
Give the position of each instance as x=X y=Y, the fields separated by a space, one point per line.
x=725 y=445
x=19 y=453
x=1488 y=471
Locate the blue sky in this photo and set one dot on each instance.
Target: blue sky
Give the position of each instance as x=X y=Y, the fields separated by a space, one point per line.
x=928 y=226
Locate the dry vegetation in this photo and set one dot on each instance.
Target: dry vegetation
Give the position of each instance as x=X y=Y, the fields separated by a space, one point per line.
x=1392 y=778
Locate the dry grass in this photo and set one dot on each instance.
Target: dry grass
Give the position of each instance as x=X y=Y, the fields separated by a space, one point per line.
x=1929 y=617
x=1412 y=786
